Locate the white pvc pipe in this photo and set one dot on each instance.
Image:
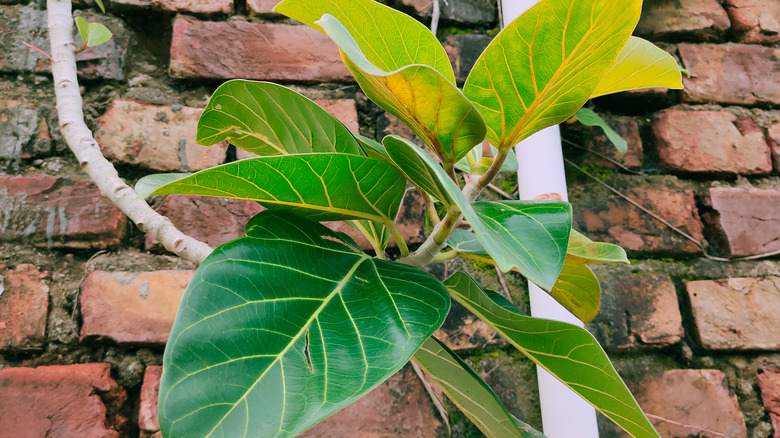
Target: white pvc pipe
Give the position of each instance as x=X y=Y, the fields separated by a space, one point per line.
x=540 y=174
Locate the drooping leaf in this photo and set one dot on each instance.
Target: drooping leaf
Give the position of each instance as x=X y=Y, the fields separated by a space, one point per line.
x=568 y=352
x=268 y=119
x=94 y=34
x=585 y=250
x=419 y=95
x=543 y=66
x=588 y=117
x=319 y=186
x=371 y=147
x=578 y=290
x=640 y=64
x=390 y=39
x=469 y=392
x=528 y=235
x=403 y=154
x=284 y=327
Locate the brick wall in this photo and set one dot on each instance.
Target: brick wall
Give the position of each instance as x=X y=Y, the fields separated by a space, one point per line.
x=86 y=301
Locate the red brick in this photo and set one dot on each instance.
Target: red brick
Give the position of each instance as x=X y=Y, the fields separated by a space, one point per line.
x=24 y=132
x=693 y=397
x=194 y=6
x=711 y=142
x=24 y=300
x=263 y=8
x=769 y=381
x=267 y=51
x=399 y=407
x=700 y=19
x=744 y=221
x=616 y=221
x=148 y=421
x=50 y=212
x=62 y=401
x=755 y=21
x=472 y=12
x=131 y=307
x=733 y=73
x=156 y=137
x=637 y=311
x=736 y=313
x=773 y=136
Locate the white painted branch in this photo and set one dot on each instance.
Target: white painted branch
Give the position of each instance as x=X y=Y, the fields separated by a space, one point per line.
x=87 y=151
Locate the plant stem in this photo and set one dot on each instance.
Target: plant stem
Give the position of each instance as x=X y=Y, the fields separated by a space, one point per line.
x=444 y=256
x=399 y=239
x=372 y=239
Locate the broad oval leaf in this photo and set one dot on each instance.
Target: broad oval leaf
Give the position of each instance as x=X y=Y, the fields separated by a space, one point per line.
x=389 y=38
x=319 y=186
x=426 y=101
x=641 y=64
x=543 y=66
x=578 y=290
x=585 y=250
x=94 y=34
x=588 y=117
x=469 y=392
x=528 y=235
x=268 y=119
x=568 y=352
x=284 y=327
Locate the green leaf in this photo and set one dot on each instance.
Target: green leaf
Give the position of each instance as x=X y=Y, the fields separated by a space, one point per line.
x=509 y=165
x=319 y=186
x=469 y=392
x=640 y=65
x=404 y=154
x=589 y=118
x=371 y=147
x=419 y=95
x=390 y=39
x=284 y=327
x=568 y=352
x=578 y=290
x=268 y=119
x=100 y=5
x=543 y=66
x=94 y=34
x=528 y=235
x=585 y=250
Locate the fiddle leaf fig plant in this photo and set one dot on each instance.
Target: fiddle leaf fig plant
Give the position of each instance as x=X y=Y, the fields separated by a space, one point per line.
x=285 y=326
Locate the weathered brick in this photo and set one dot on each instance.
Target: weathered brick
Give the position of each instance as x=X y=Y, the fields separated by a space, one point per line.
x=194 y=6
x=26 y=23
x=24 y=131
x=744 y=221
x=463 y=51
x=24 y=300
x=616 y=221
x=267 y=51
x=156 y=137
x=148 y=422
x=769 y=381
x=131 y=307
x=473 y=12
x=399 y=407
x=698 y=19
x=593 y=138
x=711 y=142
x=62 y=401
x=732 y=73
x=263 y=8
x=755 y=21
x=773 y=137
x=699 y=398
x=637 y=311
x=51 y=212
x=464 y=331
x=736 y=313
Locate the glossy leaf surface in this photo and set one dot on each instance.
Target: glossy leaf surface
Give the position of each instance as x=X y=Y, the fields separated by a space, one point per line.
x=268 y=119
x=527 y=235
x=281 y=328
x=469 y=392
x=418 y=170
x=94 y=34
x=585 y=250
x=318 y=186
x=640 y=64
x=430 y=104
x=578 y=290
x=543 y=66
x=568 y=352
x=589 y=118
x=390 y=39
